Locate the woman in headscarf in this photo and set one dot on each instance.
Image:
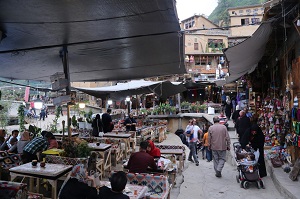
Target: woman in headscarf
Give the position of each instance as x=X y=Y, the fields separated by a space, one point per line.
x=76 y=186
x=153 y=150
x=256 y=139
x=228 y=107
x=97 y=125
x=25 y=138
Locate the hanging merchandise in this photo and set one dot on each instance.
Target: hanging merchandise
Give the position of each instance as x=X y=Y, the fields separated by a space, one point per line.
x=296 y=102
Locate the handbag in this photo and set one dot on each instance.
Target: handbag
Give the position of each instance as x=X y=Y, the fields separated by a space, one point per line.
x=276 y=162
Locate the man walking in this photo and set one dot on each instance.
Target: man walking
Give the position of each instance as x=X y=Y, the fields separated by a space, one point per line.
x=193 y=139
x=219 y=142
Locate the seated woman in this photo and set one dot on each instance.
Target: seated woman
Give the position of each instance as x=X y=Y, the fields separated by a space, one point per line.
x=118 y=182
x=152 y=150
x=76 y=186
x=19 y=146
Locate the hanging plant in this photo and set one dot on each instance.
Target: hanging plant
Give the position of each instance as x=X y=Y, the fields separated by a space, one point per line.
x=21 y=114
x=53 y=126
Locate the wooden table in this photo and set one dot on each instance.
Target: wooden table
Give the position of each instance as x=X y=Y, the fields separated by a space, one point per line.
x=129 y=190
x=178 y=152
x=102 y=150
x=60 y=135
x=125 y=137
x=132 y=139
x=52 y=172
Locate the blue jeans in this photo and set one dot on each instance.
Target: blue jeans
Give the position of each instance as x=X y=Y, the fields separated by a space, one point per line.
x=208 y=154
x=192 y=146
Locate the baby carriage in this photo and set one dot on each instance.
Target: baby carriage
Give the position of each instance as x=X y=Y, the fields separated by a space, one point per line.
x=247 y=166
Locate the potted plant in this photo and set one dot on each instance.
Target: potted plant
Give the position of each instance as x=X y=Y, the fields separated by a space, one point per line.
x=185 y=105
x=203 y=108
x=194 y=107
x=88 y=119
x=76 y=151
x=173 y=110
x=167 y=109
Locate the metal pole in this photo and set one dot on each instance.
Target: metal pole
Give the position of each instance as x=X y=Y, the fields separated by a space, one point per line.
x=68 y=88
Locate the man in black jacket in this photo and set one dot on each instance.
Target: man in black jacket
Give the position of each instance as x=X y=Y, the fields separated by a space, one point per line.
x=107 y=121
x=242 y=124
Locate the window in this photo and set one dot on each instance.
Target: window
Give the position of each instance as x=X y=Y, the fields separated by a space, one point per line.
x=255 y=20
x=186 y=26
x=245 y=21
x=215 y=43
x=255 y=9
x=196 y=46
x=241 y=11
x=233 y=12
x=248 y=10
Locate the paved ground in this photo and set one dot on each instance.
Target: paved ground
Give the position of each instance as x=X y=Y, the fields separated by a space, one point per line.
x=200 y=182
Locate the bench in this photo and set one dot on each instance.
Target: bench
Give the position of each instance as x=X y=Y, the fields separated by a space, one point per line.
x=16 y=190
x=158 y=185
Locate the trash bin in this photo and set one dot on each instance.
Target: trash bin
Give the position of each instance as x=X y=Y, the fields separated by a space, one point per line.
x=211 y=111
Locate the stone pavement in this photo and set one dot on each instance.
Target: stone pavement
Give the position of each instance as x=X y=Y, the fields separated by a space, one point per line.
x=200 y=182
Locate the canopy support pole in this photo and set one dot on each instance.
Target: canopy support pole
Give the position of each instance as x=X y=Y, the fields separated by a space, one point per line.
x=68 y=88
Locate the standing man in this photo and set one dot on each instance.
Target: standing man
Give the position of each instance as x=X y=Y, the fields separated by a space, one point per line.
x=193 y=139
x=107 y=121
x=242 y=124
x=219 y=142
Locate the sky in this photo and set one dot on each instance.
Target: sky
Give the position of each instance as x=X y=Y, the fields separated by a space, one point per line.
x=187 y=8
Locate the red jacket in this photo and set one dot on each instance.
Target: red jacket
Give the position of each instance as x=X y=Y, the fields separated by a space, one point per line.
x=155 y=152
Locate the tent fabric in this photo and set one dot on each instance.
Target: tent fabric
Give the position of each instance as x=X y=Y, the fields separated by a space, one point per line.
x=244 y=57
x=106 y=40
x=162 y=89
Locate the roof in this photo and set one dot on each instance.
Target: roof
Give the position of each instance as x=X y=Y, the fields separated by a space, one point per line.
x=250 y=6
x=104 y=40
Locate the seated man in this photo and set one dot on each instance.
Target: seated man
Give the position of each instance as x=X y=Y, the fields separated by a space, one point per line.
x=140 y=161
x=118 y=182
x=223 y=119
x=3 y=141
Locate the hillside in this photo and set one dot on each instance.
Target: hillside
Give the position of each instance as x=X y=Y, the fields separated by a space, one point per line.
x=220 y=12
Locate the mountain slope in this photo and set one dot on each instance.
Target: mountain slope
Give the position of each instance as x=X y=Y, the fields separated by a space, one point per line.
x=220 y=12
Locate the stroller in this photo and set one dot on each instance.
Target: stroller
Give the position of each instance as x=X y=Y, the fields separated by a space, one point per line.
x=247 y=166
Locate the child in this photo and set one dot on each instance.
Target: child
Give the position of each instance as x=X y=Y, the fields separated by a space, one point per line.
x=206 y=146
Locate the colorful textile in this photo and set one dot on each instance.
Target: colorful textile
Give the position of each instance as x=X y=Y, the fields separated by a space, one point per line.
x=8 y=160
x=13 y=190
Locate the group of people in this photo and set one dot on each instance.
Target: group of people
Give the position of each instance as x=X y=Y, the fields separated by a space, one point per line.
x=76 y=186
x=27 y=147
x=216 y=140
x=103 y=124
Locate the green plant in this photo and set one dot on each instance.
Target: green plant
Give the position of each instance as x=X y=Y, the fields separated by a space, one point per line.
x=21 y=114
x=173 y=110
x=75 y=149
x=185 y=104
x=83 y=150
x=5 y=106
x=74 y=121
x=53 y=126
x=88 y=116
x=167 y=108
x=194 y=107
x=34 y=130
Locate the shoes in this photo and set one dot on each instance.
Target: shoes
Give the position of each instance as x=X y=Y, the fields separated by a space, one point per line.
x=191 y=160
x=197 y=163
x=218 y=174
x=208 y=160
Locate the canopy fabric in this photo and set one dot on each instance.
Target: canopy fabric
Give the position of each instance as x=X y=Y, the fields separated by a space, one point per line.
x=162 y=89
x=244 y=57
x=106 y=40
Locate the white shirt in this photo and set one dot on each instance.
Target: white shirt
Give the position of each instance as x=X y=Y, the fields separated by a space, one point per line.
x=195 y=131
